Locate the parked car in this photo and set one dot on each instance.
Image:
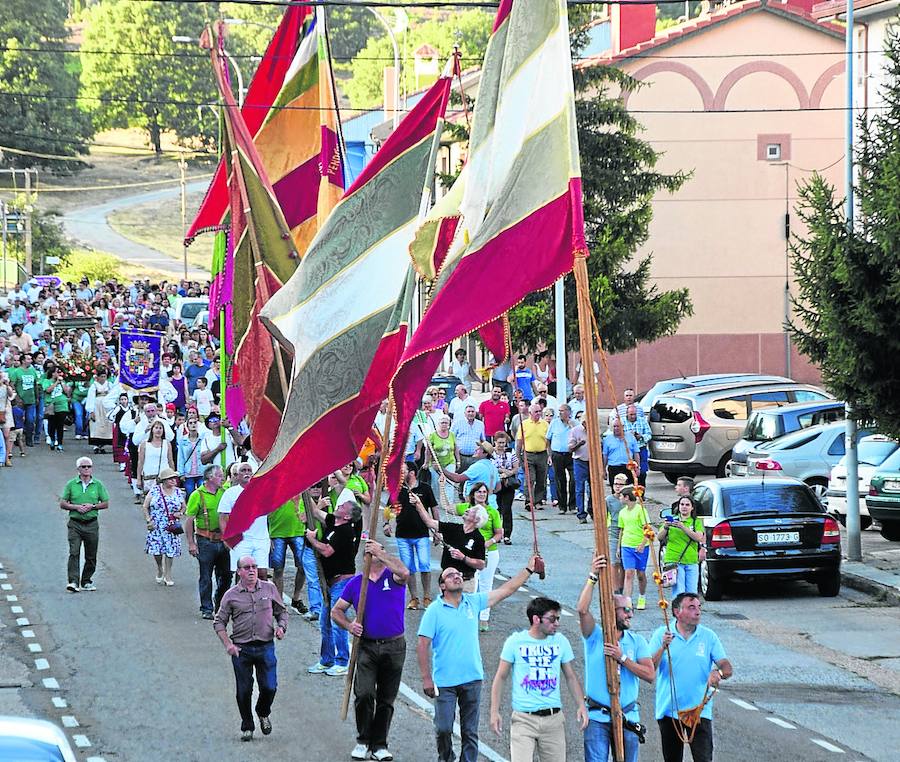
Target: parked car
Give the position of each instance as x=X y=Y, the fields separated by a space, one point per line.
x=770 y=423
x=668 y=385
x=872 y=452
x=807 y=455
x=694 y=430
x=447 y=382
x=187 y=307
x=24 y=739
x=883 y=500
x=773 y=528
x=201 y=319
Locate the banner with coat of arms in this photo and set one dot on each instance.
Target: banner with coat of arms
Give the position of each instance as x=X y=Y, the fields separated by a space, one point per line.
x=139 y=356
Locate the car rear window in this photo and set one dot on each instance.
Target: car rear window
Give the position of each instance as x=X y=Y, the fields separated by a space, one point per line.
x=762 y=427
x=779 y=498
x=671 y=410
x=874 y=453
x=192 y=309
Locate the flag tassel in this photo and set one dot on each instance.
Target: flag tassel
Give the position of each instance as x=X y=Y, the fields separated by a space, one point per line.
x=601 y=534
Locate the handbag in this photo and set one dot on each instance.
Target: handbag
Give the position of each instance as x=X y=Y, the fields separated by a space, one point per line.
x=669 y=572
x=510 y=482
x=174 y=525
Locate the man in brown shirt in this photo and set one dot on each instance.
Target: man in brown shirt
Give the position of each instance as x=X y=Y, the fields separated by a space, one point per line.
x=252 y=605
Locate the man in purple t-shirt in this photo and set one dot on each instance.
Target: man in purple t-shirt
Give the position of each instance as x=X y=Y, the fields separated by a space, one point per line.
x=382 y=648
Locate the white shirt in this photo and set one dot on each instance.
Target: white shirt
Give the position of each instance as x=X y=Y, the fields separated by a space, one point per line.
x=211 y=441
x=142 y=428
x=259 y=529
x=204 y=400
x=457 y=407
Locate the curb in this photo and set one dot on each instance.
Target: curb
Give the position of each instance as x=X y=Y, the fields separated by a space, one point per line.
x=877 y=590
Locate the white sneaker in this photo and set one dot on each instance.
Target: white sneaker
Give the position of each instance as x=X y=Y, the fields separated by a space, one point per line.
x=382 y=755
x=318 y=669
x=49 y=441
x=360 y=751
x=336 y=671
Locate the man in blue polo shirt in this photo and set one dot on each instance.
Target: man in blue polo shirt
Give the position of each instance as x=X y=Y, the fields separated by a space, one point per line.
x=523 y=379
x=449 y=658
x=698 y=664
x=382 y=648
x=481 y=469
x=635 y=664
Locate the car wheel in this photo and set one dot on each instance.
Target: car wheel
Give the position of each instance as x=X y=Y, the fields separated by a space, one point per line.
x=829 y=583
x=890 y=530
x=711 y=585
x=865 y=522
x=819 y=488
x=671 y=478
x=720 y=469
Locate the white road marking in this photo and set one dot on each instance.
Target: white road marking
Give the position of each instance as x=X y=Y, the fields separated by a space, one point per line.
x=59 y=702
x=500 y=576
x=4 y=576
x=827 y=746
x=17 y=609
x=6 y=586
x=425 y=705
x=27 y=633
x=52 y=683
x=81 y=741
x=41 y=664
x=743 y=704
x=95 y=759
x=69 y=721
x=22 y=622
x=12 y=598
x=35 y=648
x=781 y=723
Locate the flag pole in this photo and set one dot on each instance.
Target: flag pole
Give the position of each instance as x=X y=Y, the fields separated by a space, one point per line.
x=601 y=534
x=367 y=559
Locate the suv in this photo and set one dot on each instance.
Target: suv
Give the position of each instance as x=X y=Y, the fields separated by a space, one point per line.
x=669 y=385
x=694 y=430
x=770 y=423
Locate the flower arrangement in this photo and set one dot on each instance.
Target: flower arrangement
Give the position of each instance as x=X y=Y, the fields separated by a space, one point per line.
x=79 y=367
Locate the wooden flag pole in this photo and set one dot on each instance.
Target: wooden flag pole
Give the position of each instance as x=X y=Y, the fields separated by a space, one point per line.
x=598 y=493
x=367 y=559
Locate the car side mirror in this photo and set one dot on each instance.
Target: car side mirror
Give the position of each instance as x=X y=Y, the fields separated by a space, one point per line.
x=665 y=514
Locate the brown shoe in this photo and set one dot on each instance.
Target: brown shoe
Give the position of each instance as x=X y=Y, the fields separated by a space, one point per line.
x=426 y=602
x=413 y=604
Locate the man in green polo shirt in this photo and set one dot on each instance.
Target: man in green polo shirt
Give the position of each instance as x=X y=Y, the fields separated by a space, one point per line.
x=201 y=528
x=83 y=497
x=25 y=378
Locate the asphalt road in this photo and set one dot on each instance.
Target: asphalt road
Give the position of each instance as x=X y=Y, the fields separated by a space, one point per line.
x=88 y=225
x=146 y=678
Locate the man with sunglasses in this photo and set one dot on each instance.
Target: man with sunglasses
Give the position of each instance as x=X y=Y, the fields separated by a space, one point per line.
x=257 y=616
x=536 y=657
x=632 y=653
x=449 y=657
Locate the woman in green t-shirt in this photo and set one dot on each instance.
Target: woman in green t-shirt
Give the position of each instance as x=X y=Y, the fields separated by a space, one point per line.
x=685 y=542
x=443 y=442
x=492 y=531
x=633 y=547
x=56 y=394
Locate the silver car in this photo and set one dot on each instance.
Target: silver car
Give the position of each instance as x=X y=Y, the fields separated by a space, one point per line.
x=873 y=451
x=807 y=455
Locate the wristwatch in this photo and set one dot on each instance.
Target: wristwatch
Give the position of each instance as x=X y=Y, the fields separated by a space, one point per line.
x=623 y=658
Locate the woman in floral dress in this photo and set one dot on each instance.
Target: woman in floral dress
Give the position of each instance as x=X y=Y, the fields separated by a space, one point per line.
x=164 y=506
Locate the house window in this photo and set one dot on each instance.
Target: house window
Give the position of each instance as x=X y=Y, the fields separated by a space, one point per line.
x=773 y=152
x=773 y=147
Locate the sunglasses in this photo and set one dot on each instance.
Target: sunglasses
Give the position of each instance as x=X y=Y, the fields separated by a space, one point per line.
x=626 y=609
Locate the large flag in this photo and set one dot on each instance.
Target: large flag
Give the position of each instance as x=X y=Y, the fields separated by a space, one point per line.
x=345 y=314
x=297 y=149
x=139 y=356
x=513 y=220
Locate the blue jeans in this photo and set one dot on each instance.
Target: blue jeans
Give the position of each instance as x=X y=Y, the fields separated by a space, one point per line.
x=78 y=410
x=191 y=483
x=278 y=553
x=213 y=557
x=39 y=417
x=468 y=696
x=30 y=416
x=313 y=588
x=688 y=576
x=262 y=658
x=335 y=640
x=551 y=475
x=582 y=479
x=597 y=743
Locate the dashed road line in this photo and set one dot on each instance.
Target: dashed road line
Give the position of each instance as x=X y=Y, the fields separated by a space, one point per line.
x=781 y=723
x=743 y=704
x=27 y=633
x=22 y=622
x=69 y=721
x=12 y=598
x=5 y=586
x=35 y=648
x=827 y=746
x=17 y=609
x=81 y=741
x=51 y=682
x=41 y=664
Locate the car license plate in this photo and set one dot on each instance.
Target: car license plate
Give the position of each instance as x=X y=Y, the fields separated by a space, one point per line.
x=671 y=446
x=777 y=538
x=892 y=485
x=738 y=469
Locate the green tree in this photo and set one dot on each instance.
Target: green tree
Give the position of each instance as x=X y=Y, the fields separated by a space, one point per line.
x=849 y=280
x=38 y=92
x=619 y=181
x=470 y=30
x=142 y=78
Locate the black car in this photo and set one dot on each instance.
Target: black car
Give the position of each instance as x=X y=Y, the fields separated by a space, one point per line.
x=766 y=527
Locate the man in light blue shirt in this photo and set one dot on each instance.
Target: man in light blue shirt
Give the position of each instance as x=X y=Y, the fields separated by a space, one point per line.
x=561 y=458
x=482 y=469
x=618 y=450
x=449 y=658
x=469 y=433
x=536 y=657
x=639 y=427
x=698 y=664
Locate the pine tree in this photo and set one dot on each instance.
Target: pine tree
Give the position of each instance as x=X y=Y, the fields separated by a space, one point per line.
x=849 y=280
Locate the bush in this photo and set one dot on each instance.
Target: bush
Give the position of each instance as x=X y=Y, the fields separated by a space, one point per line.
x=93 y=265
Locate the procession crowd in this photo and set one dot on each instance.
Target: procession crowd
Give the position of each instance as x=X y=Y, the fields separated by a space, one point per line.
x=465 y=465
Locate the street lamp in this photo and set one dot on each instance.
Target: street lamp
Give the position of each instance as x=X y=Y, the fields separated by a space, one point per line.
x=180 y=38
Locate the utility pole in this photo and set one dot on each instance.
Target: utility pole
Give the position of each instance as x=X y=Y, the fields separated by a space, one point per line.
x=28 y=209
x=3 y=220
x=182 y=165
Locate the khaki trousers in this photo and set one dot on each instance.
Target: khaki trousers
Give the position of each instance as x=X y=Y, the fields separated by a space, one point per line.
x=529 y=733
